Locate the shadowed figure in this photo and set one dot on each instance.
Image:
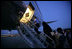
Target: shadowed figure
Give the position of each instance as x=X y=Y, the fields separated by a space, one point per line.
x=36 y=29
x=47 y=29
x=62 y=39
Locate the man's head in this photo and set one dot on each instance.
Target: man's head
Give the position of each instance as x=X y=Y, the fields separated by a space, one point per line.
x=59 y=30
x=44 y=23
x=38 y=25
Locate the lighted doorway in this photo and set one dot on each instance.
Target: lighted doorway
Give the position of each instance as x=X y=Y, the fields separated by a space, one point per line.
x=27 y=16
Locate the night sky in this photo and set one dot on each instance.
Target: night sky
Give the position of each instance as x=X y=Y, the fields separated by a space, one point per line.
x=56 y=10
x=53 y=10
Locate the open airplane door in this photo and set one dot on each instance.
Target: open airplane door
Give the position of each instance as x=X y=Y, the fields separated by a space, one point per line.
x=27 y=16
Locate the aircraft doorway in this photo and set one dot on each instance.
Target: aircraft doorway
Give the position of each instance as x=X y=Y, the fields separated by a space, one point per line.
x=27 y=16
